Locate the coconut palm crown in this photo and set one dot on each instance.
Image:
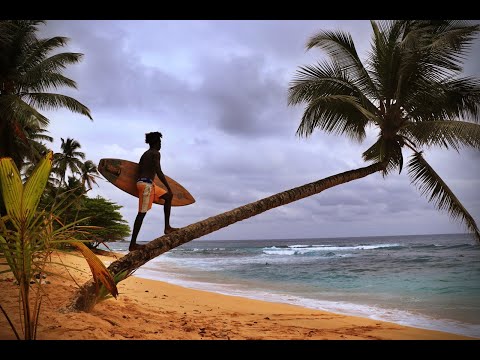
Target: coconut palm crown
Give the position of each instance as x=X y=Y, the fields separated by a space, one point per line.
x=30 y=68
x=89 y=173
x=410 y=89
x=69 y=158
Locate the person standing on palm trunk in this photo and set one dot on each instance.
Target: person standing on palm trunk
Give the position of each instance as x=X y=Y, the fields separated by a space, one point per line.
x=149 y=166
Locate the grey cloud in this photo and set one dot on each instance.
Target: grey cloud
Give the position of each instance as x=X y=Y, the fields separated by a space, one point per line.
x=242 y=99
x=111 y=77
x=235 y=93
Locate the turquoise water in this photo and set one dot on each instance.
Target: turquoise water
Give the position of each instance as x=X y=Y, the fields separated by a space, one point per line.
x=427 y=281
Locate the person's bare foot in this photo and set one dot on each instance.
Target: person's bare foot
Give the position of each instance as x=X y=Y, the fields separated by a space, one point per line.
x=135 y=247
x=170 y=230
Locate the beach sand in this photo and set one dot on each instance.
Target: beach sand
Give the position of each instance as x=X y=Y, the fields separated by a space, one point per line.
x=147 y=309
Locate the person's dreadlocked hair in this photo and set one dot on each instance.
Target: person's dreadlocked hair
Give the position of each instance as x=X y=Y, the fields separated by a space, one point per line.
x=152 y=137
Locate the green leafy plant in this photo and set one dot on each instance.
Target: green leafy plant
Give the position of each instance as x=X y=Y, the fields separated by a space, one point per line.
x=29 y=235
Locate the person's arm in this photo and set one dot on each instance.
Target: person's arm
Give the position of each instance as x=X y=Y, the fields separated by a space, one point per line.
x=159 y=172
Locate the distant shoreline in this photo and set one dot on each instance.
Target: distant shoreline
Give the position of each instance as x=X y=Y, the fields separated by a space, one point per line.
x=314 y=238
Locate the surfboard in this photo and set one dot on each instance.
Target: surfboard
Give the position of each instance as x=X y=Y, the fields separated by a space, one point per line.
x=124 y=174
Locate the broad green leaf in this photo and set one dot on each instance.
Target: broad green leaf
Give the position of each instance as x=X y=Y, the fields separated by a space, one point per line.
x=12 y=188
x=35 y=185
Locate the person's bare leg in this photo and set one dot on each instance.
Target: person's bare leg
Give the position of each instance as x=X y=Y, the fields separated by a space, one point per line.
x=166 y=210
x=136 y=229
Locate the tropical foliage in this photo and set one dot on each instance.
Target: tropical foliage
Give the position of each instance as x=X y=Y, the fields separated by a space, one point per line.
x=410 y=89
x=39 y=207
x=105 y=219
x=28 y=235
x=29 y=68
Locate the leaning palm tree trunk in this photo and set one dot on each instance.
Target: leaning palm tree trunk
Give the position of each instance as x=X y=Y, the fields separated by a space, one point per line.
x=85 y=298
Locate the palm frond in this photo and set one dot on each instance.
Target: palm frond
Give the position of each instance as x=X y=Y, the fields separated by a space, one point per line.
x=38 y=51
x=46 y=101
x=461 y=98
x=455 y=134
x=409 y=65
x=451 y=40
x=35 y=134
x=440 y=46
x=326 y=78
x=436 y=190
x=340 y=47
x=44 y=81
x=323 y=79
x=448 y=99
x=38 y=136
x=336 y=114
x=13 y=108
x=46 y=74
x=381 y=61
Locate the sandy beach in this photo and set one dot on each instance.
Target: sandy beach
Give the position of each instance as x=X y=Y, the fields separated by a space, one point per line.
x=147 y=309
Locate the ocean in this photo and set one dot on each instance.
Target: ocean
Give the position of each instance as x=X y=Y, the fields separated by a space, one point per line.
x=425 y=281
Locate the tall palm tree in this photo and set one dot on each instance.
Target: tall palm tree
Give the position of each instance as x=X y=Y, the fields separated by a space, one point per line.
x=69 y=158
x=27 y=73
x=409 y=90
x=88 y=173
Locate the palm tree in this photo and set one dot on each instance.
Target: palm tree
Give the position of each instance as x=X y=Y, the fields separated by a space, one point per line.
x=27 y=73
x=408 y=91
x=69 y=158
x=85 y=299
x=88 y=173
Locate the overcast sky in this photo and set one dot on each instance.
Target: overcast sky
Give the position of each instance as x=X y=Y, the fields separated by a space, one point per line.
x=217 y=90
